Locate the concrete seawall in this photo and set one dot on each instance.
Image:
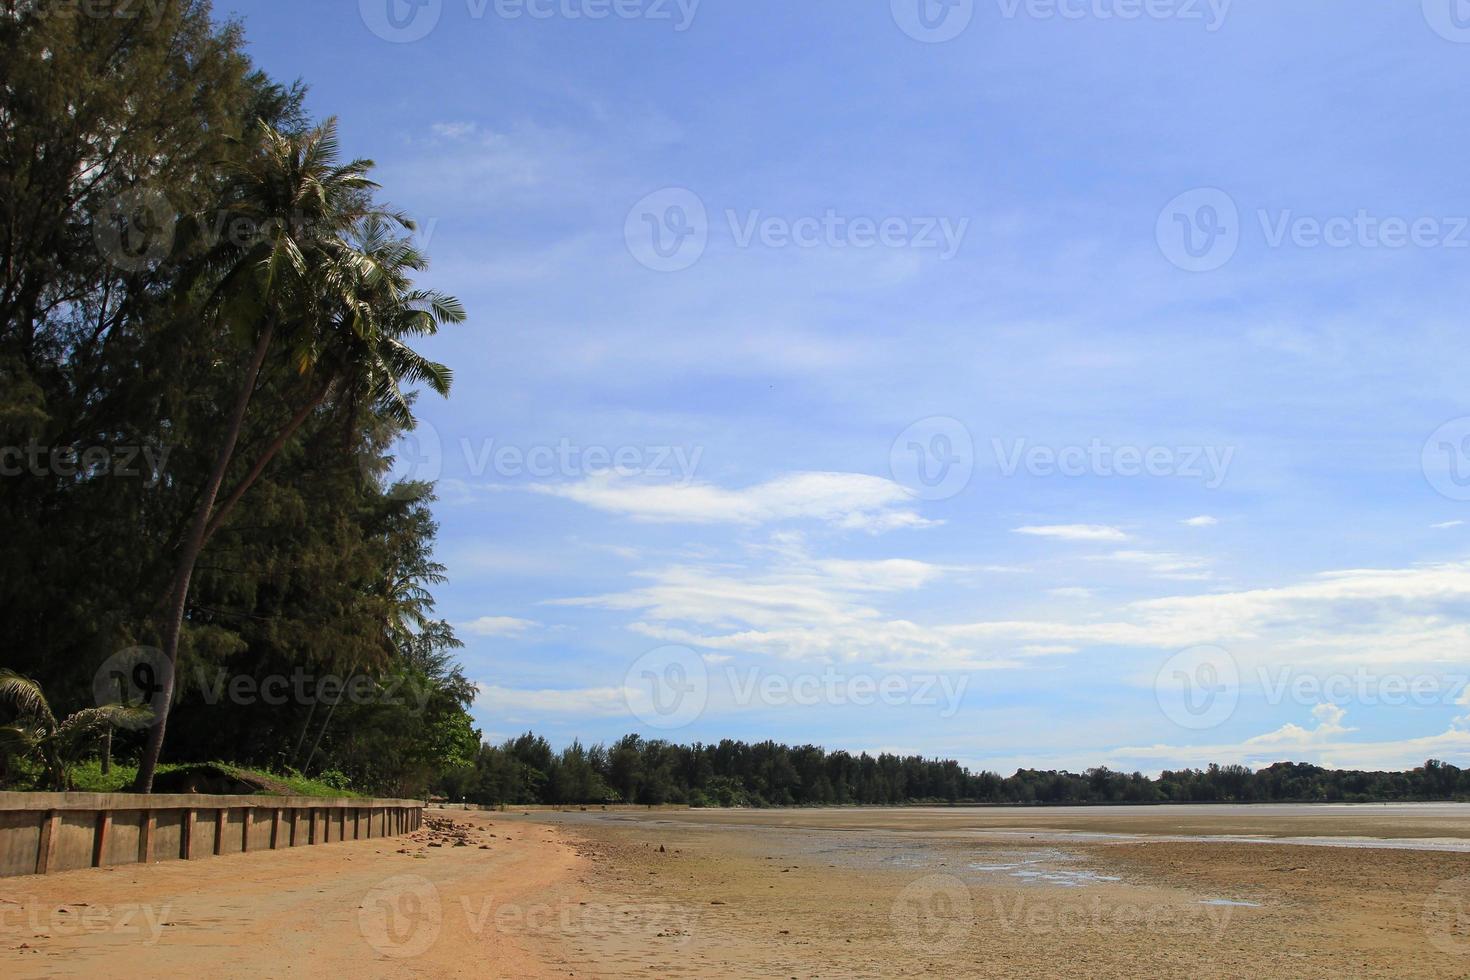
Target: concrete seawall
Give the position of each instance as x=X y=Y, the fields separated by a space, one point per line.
x=41 y=833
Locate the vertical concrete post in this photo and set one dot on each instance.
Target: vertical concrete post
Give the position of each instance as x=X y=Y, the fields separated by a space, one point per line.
x=145 y=837
x=99 y=838
x=50 y=825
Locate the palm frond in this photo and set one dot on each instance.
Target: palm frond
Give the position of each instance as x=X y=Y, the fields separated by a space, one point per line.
x=25 y=698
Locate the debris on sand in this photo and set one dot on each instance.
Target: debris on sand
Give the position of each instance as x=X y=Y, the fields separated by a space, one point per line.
x=444 y=832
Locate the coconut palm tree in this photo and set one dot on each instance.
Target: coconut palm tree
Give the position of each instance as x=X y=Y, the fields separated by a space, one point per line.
x=58 y=745
x=310 y=287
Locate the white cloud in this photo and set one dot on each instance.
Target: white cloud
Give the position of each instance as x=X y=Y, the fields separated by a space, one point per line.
x=497 y=626
x=595 y=701
x=1321 y=745
x=1071 y=592
x=1161 y=563
x=454 y=130
x=795 y=608
x=1446 y=524
x=1074 y=532
x=846 y=500
x=801 y=608
x=1203 y=520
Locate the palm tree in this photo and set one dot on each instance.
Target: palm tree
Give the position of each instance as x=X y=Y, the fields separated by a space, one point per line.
x=58 y=744
x=325 y=282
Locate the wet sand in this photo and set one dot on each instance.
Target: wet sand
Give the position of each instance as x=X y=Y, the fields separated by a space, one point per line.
x=797 y=893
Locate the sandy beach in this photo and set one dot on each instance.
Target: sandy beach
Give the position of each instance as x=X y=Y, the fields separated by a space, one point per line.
x=813 y=893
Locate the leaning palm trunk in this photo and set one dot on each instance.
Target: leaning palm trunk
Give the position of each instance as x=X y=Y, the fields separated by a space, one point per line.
x=192 y=545
x=269 y=453
x=306 y=768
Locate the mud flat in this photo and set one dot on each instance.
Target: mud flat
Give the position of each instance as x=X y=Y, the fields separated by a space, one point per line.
x=816 y=893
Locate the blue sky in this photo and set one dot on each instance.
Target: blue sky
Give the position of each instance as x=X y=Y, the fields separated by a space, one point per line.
x=1026 y=383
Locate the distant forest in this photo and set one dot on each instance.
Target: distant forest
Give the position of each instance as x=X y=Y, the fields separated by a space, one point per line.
x=636 y=770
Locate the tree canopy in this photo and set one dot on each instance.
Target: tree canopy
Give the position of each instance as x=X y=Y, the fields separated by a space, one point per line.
x=733 y=773
x=206 y=321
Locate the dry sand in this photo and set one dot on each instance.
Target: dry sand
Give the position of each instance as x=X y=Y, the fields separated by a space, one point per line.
x=815 y=893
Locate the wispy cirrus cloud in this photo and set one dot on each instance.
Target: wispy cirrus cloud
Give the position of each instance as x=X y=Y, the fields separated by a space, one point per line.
x=1324 y=744
x=1163 y=564
x=1074 y=532
x=497 y=626
x=799 y=608
x=852 y=501
x=513 y=703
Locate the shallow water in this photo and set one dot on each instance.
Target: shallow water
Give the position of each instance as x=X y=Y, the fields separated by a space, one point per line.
x=1041 y=867
x=1392 y=843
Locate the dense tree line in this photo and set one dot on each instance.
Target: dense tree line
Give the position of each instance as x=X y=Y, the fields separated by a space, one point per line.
x=731 y=773
x=205 y=329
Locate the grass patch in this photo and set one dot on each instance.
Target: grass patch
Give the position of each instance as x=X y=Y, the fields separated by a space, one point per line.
x=89 y=778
